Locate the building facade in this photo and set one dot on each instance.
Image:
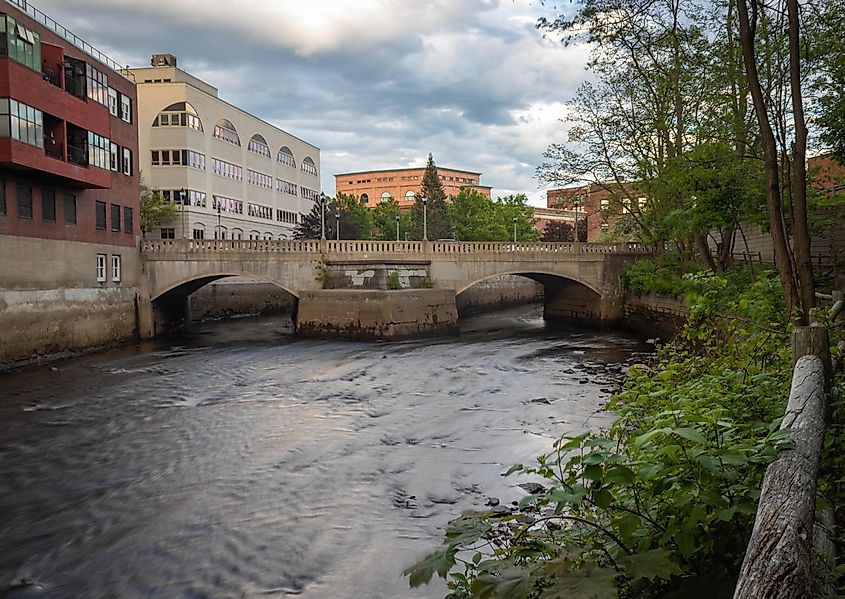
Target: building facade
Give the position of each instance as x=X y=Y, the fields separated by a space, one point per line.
x=403 y=184
x=69 y=190
x=231 y=174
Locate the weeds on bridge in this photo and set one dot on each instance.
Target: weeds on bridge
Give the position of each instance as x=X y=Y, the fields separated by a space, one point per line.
x=662 y=504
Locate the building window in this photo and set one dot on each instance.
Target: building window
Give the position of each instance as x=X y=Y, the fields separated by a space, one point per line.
x=113 y=102
x=115 y=268
x=259 y=145
x=24 y=201
x=168 y=233
x=285 y=156
x=226 y=169
x=70 y=209
x=178 y=158
x=308 y=194
x=100 y=208
x=99 y=150
x=192 y=197
x=286 y=187
x=259 y=211
x=199 y=233
x=21 y=122
x=3 y=197
x=101 y=268
x=385 y=197
x=259 y=179
x=127 y=162
x=410 y=196
x=181 y=114
x=308 y=166
x=128 y=221
x=125 y=108
x=227 y=204
x=114 y=157
x=48 y=205
x=364 y=198
x=21 y=44
x=97 y=85
x=115 y=218
x=225 y=131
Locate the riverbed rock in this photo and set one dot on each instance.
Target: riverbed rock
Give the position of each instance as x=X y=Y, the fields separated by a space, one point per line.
x=532 y=488
x=493 y=501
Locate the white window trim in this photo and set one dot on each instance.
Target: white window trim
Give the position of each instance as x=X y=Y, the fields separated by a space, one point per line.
x=113 y=102
x=101 y=268
x=115 y=268
x=127 y=164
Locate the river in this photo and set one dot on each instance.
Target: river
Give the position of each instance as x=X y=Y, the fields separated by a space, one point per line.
x=238 y=461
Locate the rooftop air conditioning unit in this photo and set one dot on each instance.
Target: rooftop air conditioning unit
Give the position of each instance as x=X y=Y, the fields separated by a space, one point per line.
x=163 y=60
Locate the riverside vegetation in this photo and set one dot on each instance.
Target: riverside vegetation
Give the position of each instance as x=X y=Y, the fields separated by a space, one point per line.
x=663 y=503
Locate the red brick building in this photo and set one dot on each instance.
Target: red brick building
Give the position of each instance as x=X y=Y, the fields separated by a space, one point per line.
x=69 y=184
x=402 y=184
x=589 y=203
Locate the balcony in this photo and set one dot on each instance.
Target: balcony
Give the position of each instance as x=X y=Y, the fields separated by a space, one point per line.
x=50 y=161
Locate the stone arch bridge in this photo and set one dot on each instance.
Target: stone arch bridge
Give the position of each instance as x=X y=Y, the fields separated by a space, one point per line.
x=349 y=287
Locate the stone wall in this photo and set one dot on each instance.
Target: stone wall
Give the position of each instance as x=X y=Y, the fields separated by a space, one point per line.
x=499 y=292
x=236 y=296
x=51 y=301
x=655 y=315
x=375 y=314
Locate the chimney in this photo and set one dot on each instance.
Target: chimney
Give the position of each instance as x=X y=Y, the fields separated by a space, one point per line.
x=163 y=60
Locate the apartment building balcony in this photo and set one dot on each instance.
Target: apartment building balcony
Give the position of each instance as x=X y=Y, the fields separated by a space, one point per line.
x=58 y=160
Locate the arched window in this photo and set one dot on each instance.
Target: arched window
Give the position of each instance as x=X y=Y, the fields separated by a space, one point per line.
x=410 y=196
x=285 y=156
x=259 y=145
x=364 y=198
x=181 y=114
x=225 y=131
x=308 y=166
x=385 y=197
x=237 y=234
x=254 y=234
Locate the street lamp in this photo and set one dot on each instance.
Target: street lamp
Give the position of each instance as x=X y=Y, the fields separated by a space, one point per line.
x=182 y=194
x=425 y=218
x=577 y=204
x=397 y=227
x=219 y=229
x=322 y=200
x=514 y=228
x=337 y=224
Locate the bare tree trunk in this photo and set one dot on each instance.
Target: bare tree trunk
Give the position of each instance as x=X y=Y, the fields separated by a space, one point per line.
x=801 y=243
x=704 y=252
x=747 y=33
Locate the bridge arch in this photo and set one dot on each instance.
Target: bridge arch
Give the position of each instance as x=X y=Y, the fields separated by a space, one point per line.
x=531 y=274
x=190 y=284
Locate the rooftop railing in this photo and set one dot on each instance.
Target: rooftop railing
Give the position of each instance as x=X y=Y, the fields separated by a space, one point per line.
x=70 y=36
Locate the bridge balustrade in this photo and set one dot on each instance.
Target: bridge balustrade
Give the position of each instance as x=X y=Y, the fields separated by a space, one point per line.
x=363 y=247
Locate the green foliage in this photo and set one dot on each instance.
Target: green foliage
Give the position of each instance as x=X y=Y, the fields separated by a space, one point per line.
x=664 y=500
x=355 y=221
x=436 y=212
x=393 y=280
x=154 y=210
x=476 y=218
x=383 y=218
x=321 y=274
x=661 y=276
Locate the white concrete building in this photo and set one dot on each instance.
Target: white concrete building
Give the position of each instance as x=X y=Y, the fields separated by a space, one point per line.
x=233 y=175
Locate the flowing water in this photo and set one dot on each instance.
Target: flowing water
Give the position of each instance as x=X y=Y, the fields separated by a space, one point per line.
x=238 y=461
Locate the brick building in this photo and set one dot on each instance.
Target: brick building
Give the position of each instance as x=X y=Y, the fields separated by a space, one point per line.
x=587 y=203
x=403 y=184
x=69 y=188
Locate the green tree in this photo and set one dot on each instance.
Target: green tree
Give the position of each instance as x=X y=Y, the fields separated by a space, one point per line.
x=154 y=210
x=556 y=230
x=473 y=217
x=383 y=218
x=345 y=211
x=356 y=218
x=436 y=211
x=514 y=210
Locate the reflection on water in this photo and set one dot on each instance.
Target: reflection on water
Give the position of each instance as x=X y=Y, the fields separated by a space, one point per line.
x=238 y=461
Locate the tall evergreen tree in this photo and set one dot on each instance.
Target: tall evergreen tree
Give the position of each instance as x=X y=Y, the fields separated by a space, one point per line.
x=439 y=223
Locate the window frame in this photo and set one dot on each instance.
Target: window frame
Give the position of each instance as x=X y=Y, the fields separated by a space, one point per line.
x=115 y=268
x=101 y=268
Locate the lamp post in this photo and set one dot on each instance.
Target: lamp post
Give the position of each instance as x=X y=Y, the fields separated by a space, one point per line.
x=425 y=218
x=219 y=229
x=337 y=224
x=322 y=200
x=577 y=204
x=397 y=227
x=182 y=195
x=514 y=228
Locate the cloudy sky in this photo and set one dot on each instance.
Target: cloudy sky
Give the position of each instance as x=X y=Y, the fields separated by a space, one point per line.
x=373 y=83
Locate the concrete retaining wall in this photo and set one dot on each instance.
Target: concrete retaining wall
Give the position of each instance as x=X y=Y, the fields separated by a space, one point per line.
x=499 y=292
x=51 y=301
x=655 y=315
x=237 y=296
x=374 y=314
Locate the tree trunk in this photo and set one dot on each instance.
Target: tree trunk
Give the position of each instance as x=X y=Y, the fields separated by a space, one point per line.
x=801 y=242
x=780 y=244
